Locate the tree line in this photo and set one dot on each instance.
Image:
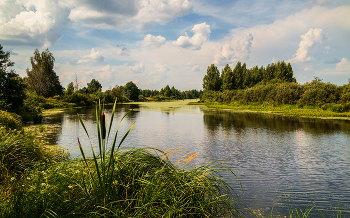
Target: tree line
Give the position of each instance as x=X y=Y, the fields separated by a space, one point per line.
x=41 y=88
x=274 y=84
x=241 y=77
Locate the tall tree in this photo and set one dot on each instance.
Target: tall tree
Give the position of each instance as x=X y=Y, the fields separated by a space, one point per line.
x=11 y=84
x=70 y=88
x=228 y=80
x=42 y=78
x=238 y=75
x=212 y=80
x=94 y=86
x=132 y=91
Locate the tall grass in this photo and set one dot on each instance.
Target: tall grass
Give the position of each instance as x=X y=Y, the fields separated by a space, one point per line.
x=117 y=182
x=10 y=120
x=20 y=152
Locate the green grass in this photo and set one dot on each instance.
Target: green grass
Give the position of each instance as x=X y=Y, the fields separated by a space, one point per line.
x=38 y=181
x=10 y=120
x=143 y=186
x=287 y=110
x=118 y=183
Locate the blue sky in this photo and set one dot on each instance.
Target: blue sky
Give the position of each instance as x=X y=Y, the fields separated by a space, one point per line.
x=155 y=43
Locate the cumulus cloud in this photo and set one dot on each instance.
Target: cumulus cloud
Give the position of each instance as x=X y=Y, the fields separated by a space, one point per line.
x=225 y=54
x=35 y=23
x=137 y=68
x=126 y=14
x=162 y=68
x=307 y=41
x=201 y=35
x=343 y=65
x=94 y=56
x=153 y=41
x=122 y=51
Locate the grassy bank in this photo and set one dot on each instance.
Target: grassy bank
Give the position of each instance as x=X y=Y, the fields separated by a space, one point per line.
x=39 y=181
x=286 y=110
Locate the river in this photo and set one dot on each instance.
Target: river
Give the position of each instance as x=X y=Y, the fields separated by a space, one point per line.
x=274 y=157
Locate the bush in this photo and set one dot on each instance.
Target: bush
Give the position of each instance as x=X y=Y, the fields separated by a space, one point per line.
x=10 y=120
x=20 y=152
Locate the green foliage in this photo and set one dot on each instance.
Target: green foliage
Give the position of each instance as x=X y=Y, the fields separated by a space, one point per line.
x=10 y=120
x=94 y=86
x=11 y=85
x=132 y=91
x=70 y=89
x=42 y=79
x=33 y=107
x=228 y=79
x=242 y=78
x=276 y=92
x=212 y=80
x=20 y=152
x=131 y=183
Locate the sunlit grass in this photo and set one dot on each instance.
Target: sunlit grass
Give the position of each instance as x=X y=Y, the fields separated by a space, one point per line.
x=288 y=110
x=137 y=182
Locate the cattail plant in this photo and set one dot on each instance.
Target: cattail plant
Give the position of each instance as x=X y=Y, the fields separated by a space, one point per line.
x=103 y=164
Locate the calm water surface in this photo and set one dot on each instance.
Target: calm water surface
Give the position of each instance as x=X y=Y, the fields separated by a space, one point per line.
x=274 y=157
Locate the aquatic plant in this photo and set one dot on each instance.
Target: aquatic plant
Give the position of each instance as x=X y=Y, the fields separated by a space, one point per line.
x=103 y=164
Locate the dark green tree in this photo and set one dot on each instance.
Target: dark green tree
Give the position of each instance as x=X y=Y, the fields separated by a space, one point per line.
x=70 y=88
x=132 y=91
x=238 y=75
x=42 y=79
x=212 y=80
x=228 y=80
x=94 y=86
x=167 y=91
x=11 y=84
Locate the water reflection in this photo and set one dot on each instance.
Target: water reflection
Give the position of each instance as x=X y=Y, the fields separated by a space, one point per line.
x=278 y=157
x=228 y=120
x=273 y=156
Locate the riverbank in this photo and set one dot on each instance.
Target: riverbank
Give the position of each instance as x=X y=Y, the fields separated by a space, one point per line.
x=285 y=110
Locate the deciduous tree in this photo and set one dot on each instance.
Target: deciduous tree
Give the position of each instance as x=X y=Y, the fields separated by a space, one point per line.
x=42 y=79
x=11 y=85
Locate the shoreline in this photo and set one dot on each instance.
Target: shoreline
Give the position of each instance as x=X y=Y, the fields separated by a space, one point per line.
x=286 y=110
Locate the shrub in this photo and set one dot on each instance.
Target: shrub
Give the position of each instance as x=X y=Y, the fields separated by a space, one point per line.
x=20 y=152
x=10 y=120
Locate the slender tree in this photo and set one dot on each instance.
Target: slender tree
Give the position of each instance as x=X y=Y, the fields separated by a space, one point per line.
x=42 y=79
x=212 y=80
x=228 y=80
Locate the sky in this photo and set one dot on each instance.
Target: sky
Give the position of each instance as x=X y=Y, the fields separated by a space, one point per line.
x=155 y=43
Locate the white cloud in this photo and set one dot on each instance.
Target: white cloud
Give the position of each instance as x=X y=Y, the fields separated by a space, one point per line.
x=343 y=66
x=308 y=69
x=105 y=72
x=126 y=14
x=153 y=41
x=201 y=35
x=225 y=54
x=137 y=68
x=94 y=56
x=307 y=41
x=162 y=68
x=35 y=23
x=195 y=68
x=122 y=51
